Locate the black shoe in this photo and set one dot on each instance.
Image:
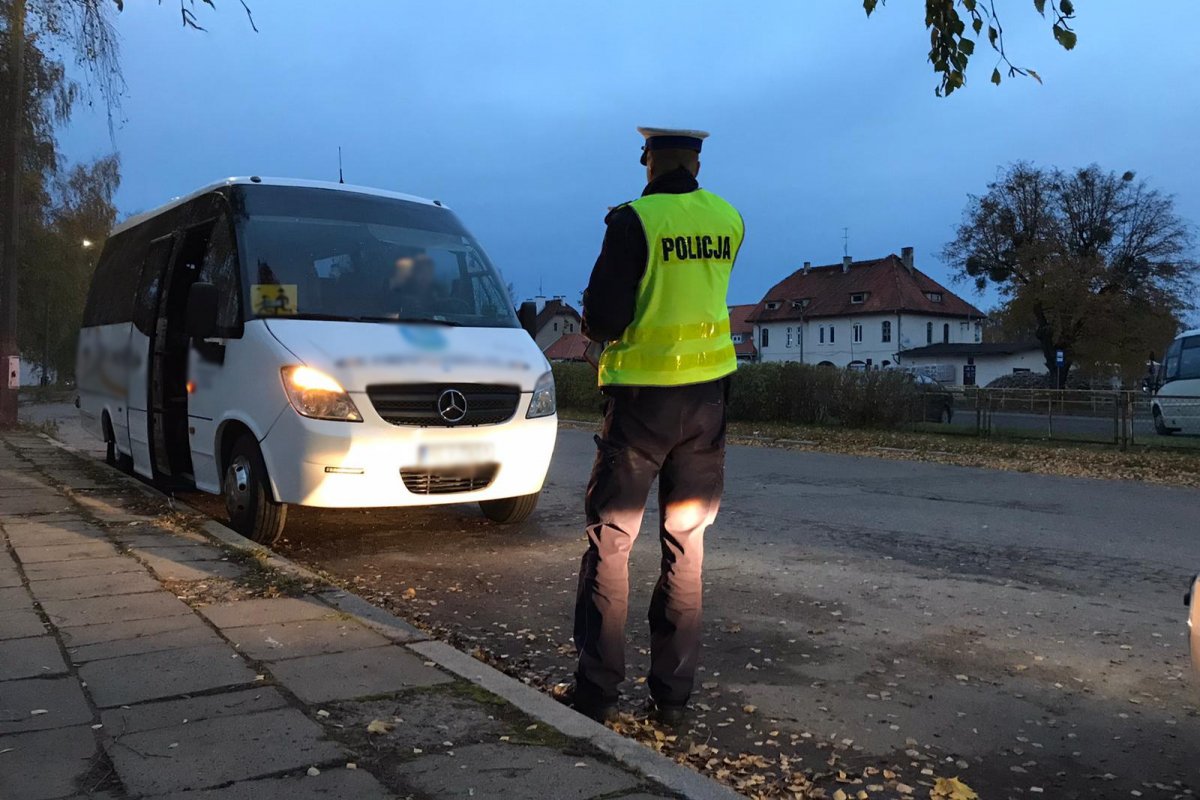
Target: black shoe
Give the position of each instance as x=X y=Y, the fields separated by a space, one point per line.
x=602 y=711
x=668 y=715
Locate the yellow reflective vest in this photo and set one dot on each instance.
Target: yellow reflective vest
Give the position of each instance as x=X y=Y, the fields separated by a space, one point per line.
x=680 y=329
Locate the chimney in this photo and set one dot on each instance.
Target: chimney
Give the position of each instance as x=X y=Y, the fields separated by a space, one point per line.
x=846 y=262
x=807 y=267
x=906 y=255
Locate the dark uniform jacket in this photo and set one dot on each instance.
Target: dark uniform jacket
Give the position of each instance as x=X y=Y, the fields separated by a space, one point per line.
x=611 y=296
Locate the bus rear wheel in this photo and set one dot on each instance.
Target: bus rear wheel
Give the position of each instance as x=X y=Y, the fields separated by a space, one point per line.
x=510 y=510
x=112 y=456
x=253 y=512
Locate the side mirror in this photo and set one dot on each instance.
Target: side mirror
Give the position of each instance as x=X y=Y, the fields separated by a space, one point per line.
x=201 y=320
x=527 y=316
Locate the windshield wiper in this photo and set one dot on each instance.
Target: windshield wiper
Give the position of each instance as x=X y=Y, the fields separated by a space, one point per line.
x=345 y=318
x=310 y=315
x=427 y=321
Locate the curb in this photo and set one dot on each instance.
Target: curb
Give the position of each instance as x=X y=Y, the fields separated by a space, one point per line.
x=672 y=776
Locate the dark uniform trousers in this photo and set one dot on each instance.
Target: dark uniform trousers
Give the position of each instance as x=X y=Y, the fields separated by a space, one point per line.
x=676 y=434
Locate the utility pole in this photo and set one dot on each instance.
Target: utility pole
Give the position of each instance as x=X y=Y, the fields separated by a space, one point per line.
x=10 y=208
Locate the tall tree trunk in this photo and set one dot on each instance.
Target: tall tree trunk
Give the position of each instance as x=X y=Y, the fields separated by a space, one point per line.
x=11 y=194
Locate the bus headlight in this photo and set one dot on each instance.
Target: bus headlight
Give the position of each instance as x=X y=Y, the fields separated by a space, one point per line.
x=314 y=394
x=543 y=403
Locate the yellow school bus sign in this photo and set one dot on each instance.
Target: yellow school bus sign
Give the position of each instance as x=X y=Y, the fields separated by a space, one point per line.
x=273 y=299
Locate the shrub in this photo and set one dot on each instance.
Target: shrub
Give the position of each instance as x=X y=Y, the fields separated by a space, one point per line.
x=784 y=392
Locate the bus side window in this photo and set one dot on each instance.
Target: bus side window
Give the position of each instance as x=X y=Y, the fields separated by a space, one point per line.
x=145 y=310
x=110 y=297
x=220 y=268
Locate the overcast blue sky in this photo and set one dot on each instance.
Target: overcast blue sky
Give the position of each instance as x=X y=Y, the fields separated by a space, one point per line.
x=521 y=116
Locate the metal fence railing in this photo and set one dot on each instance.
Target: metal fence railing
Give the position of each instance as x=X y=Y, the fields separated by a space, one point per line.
x=1121 y=418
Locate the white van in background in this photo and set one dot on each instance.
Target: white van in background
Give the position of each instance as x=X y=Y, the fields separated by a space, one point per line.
x=1176 y=403
x=293 y=342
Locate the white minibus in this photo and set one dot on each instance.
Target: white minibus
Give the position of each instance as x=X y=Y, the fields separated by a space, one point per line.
x=1176 y=403
x=288 y=342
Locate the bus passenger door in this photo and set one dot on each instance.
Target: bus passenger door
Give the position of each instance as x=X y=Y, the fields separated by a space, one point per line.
x=214 y=382
x=141 y=347
x=170 y=451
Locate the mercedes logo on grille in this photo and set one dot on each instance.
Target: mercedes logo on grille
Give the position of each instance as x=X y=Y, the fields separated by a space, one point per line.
x=452 y=405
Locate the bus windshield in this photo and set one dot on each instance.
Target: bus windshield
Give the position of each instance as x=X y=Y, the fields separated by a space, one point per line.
x=329 y=254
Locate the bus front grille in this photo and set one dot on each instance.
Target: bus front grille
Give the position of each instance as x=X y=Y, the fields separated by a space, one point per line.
x=448 y=481
x=417 y=404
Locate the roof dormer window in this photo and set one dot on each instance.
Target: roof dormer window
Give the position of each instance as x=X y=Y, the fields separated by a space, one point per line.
x=858 y=298
x=936 y=297
x=800 y=304
x=772 y=305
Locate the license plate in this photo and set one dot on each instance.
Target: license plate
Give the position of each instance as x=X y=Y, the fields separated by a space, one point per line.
x=455 y=455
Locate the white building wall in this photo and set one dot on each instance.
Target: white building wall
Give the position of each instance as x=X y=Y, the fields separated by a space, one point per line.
x=555 y=328
x=907 y=331
x=987 y=367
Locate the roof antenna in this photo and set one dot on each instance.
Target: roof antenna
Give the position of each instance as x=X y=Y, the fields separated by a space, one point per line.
x=340 y=178
x=845 y=241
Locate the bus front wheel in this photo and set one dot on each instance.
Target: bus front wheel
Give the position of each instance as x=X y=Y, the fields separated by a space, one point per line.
x=253 y=512
x=1160 y=424
x=510 y=510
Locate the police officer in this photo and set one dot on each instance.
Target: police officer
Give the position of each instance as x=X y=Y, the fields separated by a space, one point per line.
x=657 y=300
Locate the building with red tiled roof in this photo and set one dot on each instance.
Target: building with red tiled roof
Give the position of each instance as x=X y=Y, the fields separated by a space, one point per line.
x=860 y=314
x=570 y=347
x=555 y=319
x=742 y=331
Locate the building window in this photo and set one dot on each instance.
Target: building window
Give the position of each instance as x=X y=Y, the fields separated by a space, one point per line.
x=556 y=327
x=772 y=305
x=857 y=333
x=737 y=338
x=886 y=334
x=789 y=338
x=831 y=329
x=928 y=333
x=978 y=332
x=858 y=298
x=764 y=337
x=946 y=333
x=934 y=296
x=822 y=329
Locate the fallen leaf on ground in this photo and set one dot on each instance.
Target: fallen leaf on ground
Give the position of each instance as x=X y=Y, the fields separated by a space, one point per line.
x=952 y=789
x=379 y=726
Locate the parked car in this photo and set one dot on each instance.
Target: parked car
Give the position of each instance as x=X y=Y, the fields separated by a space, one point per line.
x=1176 y=403
x=937 y=402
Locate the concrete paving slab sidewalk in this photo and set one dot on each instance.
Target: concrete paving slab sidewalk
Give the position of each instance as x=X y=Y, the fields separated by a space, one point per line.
x=243 y=682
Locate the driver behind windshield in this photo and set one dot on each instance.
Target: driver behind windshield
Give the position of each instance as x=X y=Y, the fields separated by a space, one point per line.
x=415 y=286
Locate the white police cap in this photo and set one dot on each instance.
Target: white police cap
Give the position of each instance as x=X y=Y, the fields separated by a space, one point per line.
x=671 y=139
